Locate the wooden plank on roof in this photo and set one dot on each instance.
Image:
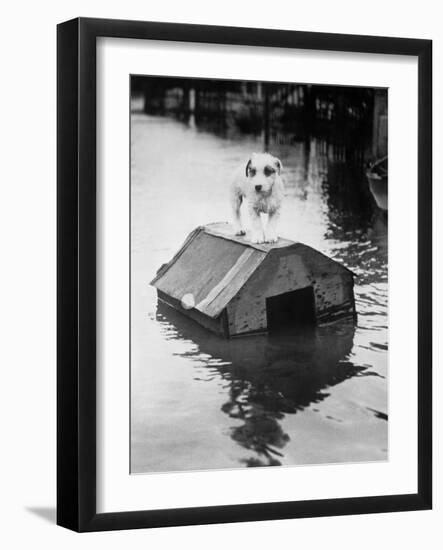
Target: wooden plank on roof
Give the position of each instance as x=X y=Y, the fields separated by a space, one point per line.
x=200 y=267
x=225 y=230
x=219 y=297
x=162 y=270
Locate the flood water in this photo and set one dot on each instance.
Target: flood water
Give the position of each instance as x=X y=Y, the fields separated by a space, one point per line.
x=308 y=397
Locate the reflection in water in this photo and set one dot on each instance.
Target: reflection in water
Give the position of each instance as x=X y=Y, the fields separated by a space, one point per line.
x=268 y=376
x=200 y=402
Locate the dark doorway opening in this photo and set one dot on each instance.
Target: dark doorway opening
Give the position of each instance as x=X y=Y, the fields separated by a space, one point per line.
x=295 y=308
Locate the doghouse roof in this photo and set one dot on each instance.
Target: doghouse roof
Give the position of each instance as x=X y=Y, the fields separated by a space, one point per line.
x=213 y=265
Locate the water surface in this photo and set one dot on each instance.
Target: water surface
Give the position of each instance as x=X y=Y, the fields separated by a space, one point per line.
x=303 y=397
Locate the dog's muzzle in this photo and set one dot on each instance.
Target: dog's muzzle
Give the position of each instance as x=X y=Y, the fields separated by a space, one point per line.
x=258 y=188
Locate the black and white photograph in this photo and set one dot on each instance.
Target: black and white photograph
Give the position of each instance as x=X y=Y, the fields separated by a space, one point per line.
x=221 y=282
x=258 y=274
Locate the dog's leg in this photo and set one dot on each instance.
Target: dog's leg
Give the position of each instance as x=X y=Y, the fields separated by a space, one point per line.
x=236 y=200
x=257 y=235
x=272 y=228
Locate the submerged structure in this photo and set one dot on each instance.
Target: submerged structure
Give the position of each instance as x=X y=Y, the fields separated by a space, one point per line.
x=233 y=287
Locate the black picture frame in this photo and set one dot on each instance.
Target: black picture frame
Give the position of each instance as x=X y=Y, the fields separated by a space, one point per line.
x=76 y=279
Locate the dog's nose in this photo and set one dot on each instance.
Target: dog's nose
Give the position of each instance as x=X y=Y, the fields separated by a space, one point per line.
x=258 y=187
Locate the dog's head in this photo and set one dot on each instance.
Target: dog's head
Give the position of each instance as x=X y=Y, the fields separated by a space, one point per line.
x=262 y=170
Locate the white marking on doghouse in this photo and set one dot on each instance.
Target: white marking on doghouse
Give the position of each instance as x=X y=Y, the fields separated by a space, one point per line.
x=188 y=301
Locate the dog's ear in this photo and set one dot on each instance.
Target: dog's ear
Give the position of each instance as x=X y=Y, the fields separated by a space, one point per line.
x=247 y=168
x=278 y=165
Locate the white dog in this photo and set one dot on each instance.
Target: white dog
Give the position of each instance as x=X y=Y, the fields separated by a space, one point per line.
x=260 y=184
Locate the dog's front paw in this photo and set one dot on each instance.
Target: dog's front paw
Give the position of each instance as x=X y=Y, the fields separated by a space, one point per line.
x=271 y=238
x=257 y=239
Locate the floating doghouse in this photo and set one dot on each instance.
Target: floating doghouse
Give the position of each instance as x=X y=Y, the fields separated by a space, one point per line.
x=233 y=287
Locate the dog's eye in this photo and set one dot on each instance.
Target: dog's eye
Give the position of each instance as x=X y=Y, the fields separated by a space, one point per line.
x=269 y=171
x=252 y=172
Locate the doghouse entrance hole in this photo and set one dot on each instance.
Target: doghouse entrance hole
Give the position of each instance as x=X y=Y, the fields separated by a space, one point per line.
x=295 y=308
